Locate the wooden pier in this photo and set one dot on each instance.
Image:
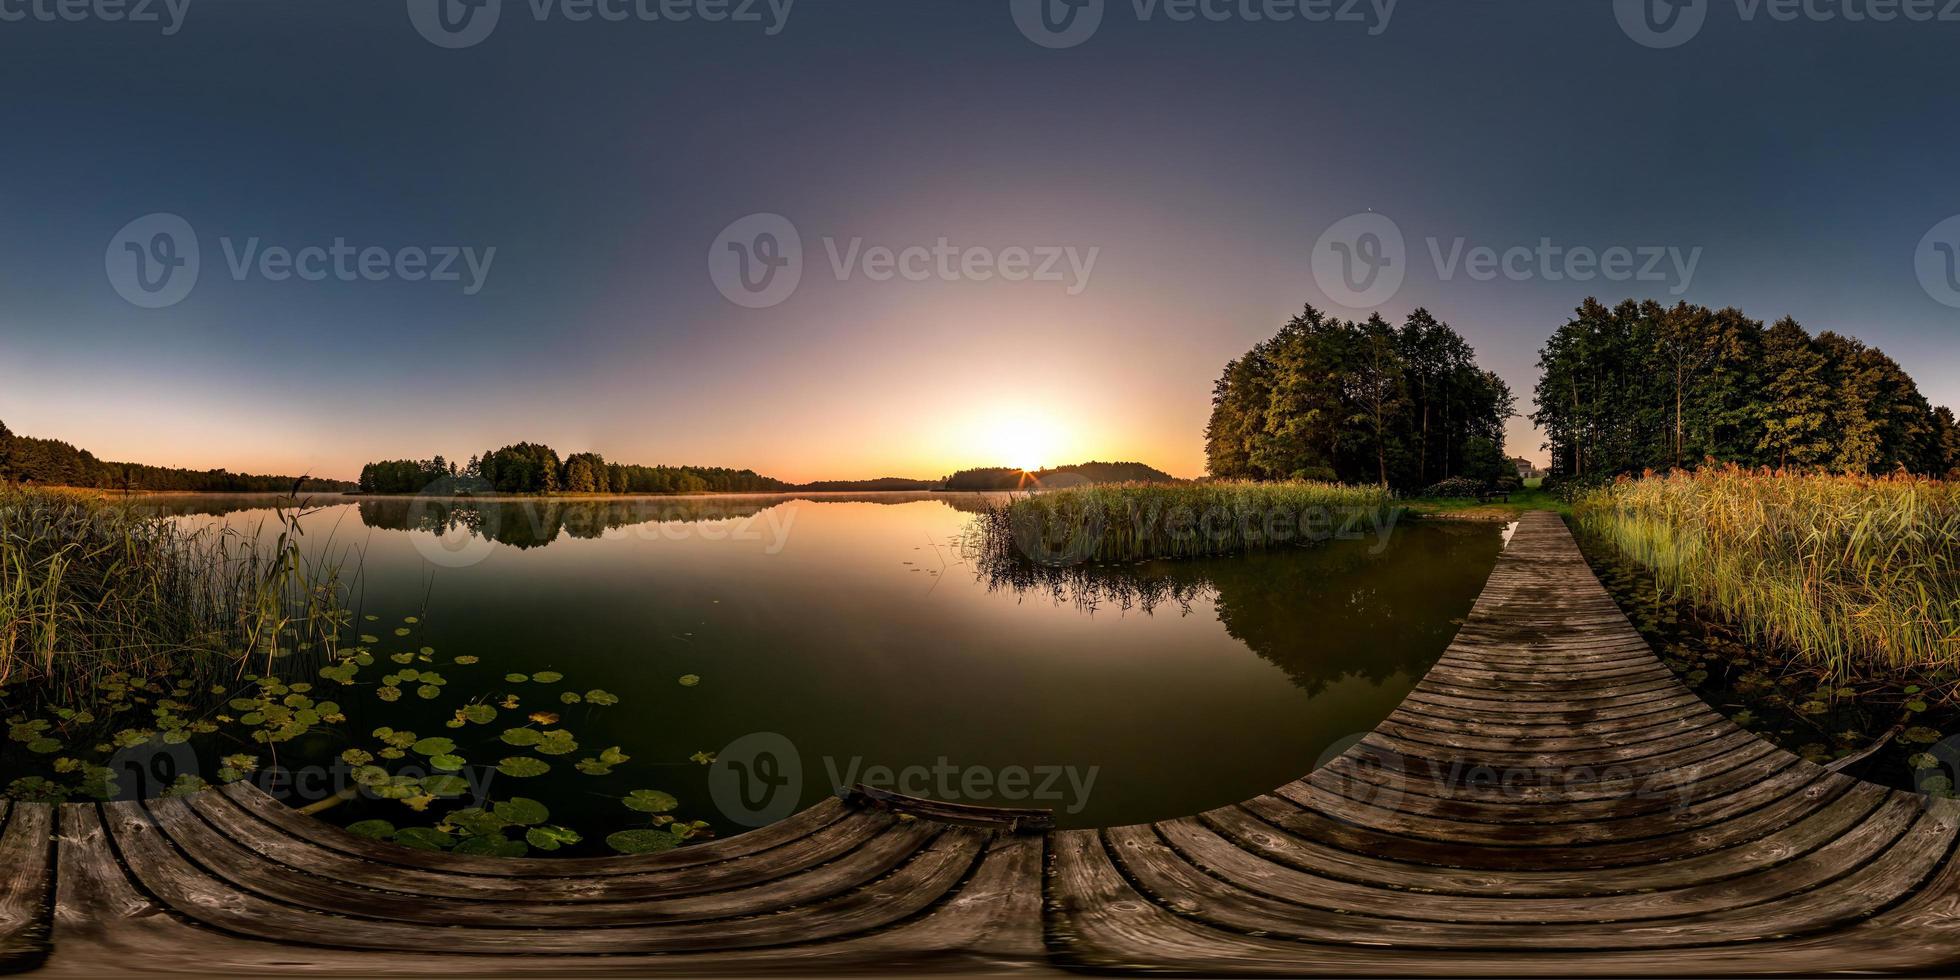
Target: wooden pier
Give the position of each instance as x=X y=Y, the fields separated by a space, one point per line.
x=1549 y=800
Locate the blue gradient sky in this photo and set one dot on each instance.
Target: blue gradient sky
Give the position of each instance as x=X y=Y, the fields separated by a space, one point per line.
x=1807 y=160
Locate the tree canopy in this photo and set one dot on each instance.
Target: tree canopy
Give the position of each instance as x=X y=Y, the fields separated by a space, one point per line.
x=1641 y=385
x=51 y=462
x=533 y=468
x=1366 y=402
x=1013 y=478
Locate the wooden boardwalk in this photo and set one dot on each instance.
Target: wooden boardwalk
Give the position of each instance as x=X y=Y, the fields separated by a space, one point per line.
x=1549 y=800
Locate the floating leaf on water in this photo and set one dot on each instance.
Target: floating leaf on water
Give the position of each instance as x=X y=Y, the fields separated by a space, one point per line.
x=445 y=786
x=372 y=829
x=570 y=697
x=481 y=714
x=467 y=660
x=642 y=841
x=557 y=742
x=428 y=692
x=522 y=737
x=424 y=839
x=544 y=717
x=601 y=698
x=551 y=838
x=690 y=680
x=434 y=746
x=650 y=801
x=1915 y=706
x=478 y=822
x=704 y=758
x=517 y=678
x=448 y=763
x=493 y=846
x=1923 y=760
x=1922 y=735
x=523 y=767
x=547 y=677
x=521 y=812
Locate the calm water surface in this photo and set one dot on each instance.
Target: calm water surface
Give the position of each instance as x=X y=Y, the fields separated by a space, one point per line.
x=852 y=627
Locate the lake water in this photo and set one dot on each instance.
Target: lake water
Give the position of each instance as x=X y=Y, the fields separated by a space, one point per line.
x=846 y=638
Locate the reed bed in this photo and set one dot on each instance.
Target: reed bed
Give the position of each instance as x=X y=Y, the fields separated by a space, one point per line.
x=90 y=588
x=1130 y=522
x=1855 y=577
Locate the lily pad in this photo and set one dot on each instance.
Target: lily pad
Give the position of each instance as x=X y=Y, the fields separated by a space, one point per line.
x=551 y=838
x=650 y=801
x=372 y=829
x=642 y=841
x=523 y=767
x=521 y=812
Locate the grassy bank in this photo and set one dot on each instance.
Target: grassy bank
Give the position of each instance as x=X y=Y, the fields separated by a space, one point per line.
x=89 y=588
x=1856 y=578
x=1471 y=509
x=1137 y=522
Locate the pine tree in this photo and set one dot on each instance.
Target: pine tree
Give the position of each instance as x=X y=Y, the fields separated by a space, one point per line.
x=1796 y=403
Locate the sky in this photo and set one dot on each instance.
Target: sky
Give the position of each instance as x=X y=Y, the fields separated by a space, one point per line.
x=1102 y=212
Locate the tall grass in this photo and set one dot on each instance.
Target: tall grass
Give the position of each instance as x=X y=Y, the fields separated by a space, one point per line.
x=89 y=587
x=1140 y=521
x=1856 y=577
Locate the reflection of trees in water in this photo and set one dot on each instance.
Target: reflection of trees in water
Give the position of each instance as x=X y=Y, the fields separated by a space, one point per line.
x=536 y=522
x=220 y=504
x=1320 y=614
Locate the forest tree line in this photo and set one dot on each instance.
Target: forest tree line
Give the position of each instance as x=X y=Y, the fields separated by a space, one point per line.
x=1014 y=478
x=1641 y=385
x=529 y=467
x=1359 y=402
x=51 y=462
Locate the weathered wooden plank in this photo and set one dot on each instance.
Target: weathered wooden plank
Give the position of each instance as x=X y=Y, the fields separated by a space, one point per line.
x=255 y=801
x=1011 y=819
x=26 y=871
x=513 y=903
x=270 y=844
x=191 y=891
x=1676 y=895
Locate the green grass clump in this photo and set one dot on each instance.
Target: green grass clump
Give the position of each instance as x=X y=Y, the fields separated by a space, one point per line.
x=1142 y=521
x=90 y=588
x=1858 y=577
